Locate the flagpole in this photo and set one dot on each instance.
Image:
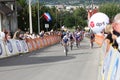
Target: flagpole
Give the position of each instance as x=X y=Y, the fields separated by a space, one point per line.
x=30 y=17
x=38 y=19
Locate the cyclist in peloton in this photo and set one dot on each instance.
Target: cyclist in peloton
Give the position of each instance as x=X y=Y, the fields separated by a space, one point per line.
x=71 y=36
x=77 y=38
x=65 y=42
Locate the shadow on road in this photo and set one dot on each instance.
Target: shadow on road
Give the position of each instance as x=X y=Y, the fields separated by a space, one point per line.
x=28 y=59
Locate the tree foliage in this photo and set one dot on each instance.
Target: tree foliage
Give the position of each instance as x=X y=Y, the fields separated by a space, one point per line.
x=23 y=16
x=68 y=18
x=80 y=17
x=69 y=21
x=110 y=9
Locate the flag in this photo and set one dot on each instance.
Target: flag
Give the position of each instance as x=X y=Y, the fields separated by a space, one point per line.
x=47 y=16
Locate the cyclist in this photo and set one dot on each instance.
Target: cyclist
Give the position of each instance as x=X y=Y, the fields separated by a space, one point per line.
x=63 y=33
x=71 y=36
x=92 y=39
x=65 y=42
x=77 y=38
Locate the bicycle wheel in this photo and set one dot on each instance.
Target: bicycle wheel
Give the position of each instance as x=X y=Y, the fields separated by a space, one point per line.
x=71 y=46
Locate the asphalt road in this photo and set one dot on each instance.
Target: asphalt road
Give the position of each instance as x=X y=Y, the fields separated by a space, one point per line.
x=51 y=64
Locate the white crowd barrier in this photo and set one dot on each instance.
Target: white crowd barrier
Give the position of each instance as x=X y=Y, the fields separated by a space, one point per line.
x=24 y=46
x=10 y=48
x=2 y=49
x=14 y=47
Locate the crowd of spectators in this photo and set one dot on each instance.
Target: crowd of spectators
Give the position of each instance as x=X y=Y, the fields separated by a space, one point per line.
x=21 y=35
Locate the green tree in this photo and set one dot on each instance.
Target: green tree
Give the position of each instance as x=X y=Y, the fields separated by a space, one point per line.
x=110 y=9
x=69 y=21
x=23 y=16
x=80 y=15
x=59 y=18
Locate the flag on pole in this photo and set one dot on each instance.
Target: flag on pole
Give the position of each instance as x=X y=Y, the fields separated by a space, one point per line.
x=47 y=16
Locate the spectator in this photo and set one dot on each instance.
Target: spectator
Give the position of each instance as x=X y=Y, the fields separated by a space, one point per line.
x=108 y=38
x=41 y=33
x=27 y=35
x=33 y=35
x=21 y=36
x=16 y=34
x=116 y=30
x=7 y=36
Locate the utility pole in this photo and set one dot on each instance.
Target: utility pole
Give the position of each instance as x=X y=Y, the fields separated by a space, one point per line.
x=38 y=18
x=30 y=17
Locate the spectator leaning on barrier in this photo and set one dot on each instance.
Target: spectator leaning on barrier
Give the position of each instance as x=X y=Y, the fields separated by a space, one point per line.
x=21 y=36
x=6 y=34
x=116 y=30
x=16 y=34
x=108 y=38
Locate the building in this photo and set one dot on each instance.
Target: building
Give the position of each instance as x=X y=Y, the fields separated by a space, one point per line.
x=8 y=15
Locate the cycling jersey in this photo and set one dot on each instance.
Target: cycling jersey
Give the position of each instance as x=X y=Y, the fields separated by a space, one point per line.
x=65 y=39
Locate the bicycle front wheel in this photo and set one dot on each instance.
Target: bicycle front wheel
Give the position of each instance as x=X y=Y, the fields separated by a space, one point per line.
x=66 y=50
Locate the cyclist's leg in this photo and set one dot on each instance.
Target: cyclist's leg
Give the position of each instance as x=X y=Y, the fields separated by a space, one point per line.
x=77 y=43
x=91 y=44
x=71 y=44
x=65 y=49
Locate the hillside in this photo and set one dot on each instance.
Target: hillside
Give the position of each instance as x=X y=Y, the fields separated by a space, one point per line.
x=76 y=2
